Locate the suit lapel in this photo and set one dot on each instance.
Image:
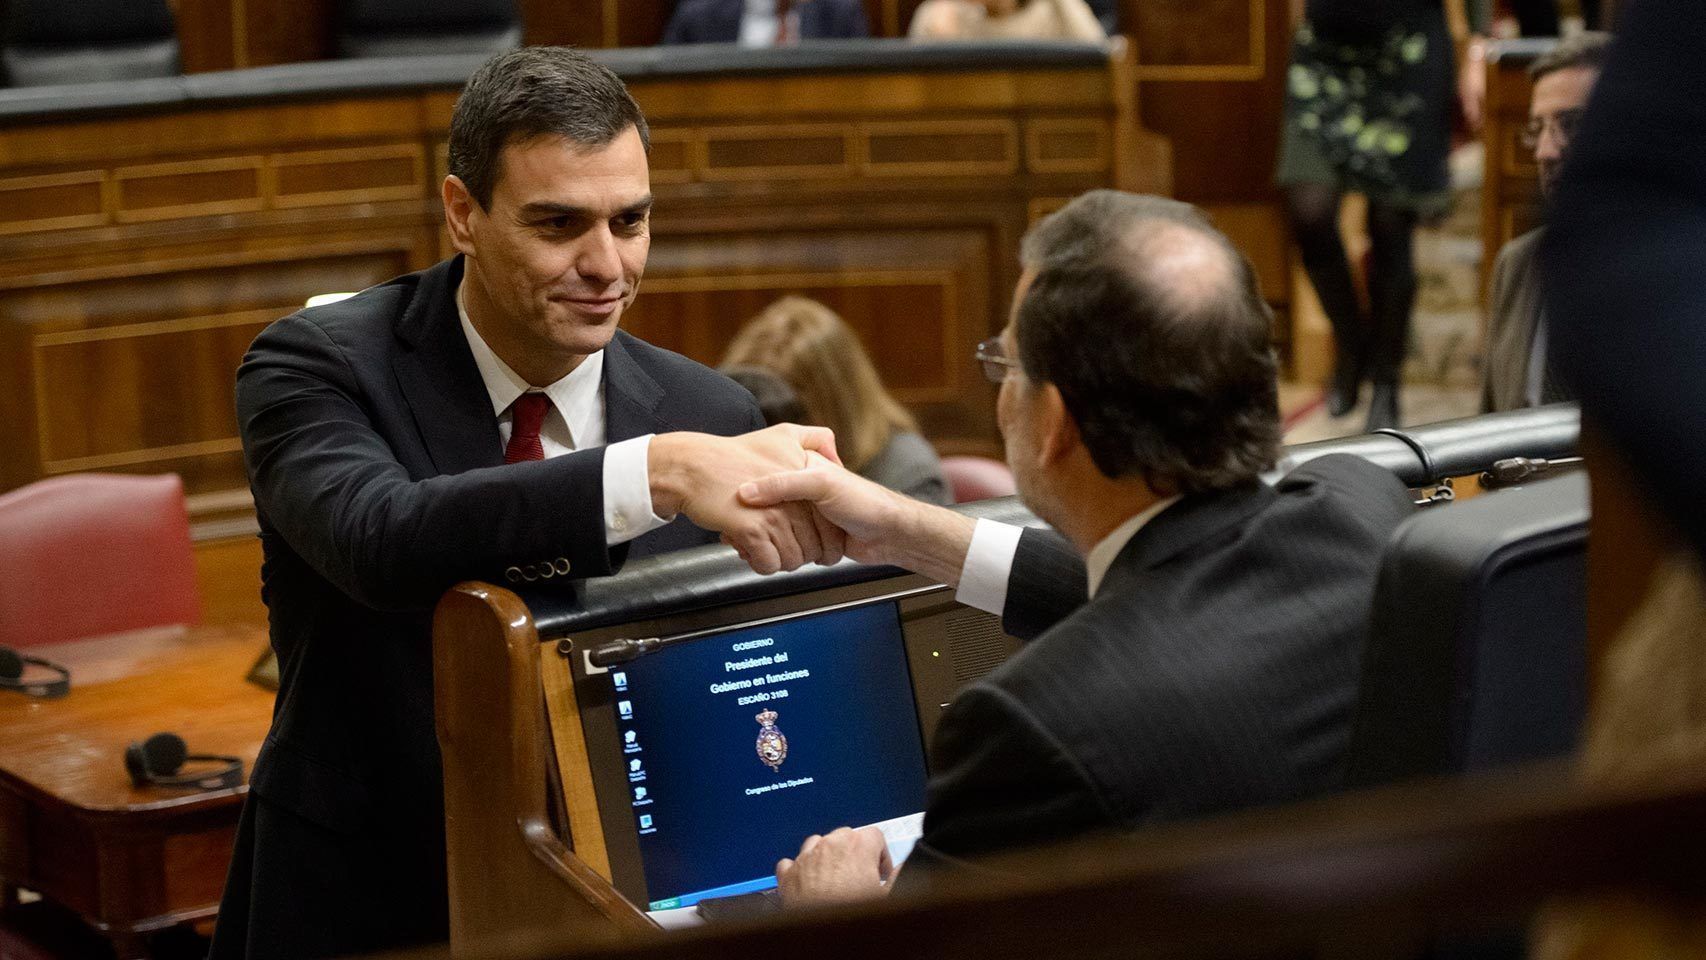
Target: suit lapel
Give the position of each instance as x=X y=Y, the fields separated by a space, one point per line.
x=439 y=380
x=631 y=396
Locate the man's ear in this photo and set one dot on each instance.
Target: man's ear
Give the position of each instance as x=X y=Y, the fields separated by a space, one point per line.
x=1057 y=431
x=459 y=208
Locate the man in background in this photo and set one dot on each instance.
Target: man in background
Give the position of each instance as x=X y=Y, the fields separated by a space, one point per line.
x=1517 y=373
x=1198 y=635
x=765 y=23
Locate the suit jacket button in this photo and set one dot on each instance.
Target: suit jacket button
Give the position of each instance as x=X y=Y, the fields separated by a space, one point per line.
x=530 y=573
x=545 y=571
x=562 y=566
x=513 y=574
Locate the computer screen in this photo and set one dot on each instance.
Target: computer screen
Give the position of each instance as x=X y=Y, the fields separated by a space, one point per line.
x=736 y=745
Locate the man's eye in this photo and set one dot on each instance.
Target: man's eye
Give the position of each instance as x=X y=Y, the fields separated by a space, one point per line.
x=558 y=223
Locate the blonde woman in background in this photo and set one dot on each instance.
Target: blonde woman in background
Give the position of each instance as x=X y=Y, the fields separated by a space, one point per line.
x=809 y=346
x=992 y=19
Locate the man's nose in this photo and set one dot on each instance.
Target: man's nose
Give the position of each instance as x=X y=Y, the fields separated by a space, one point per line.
x=598 y=260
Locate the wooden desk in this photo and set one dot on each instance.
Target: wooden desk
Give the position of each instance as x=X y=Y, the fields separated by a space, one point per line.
x=72 y=827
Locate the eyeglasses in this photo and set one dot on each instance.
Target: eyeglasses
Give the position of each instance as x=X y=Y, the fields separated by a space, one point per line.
x=1563 y=124
x=996 y=363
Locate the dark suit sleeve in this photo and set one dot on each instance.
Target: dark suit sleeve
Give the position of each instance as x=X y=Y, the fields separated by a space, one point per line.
x=680 y=28
x=1623 y=254
x=332 y=487
x=1490 y=361
x=854 y=24
x=1047 y=583
x=998 y=782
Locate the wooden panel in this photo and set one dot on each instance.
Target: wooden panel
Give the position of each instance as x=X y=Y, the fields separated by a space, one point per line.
x=780 y=152
x=207 y=37
x=1217 y=40
x=88 y=381
x=228 y=575
x=194 y=866
x=58 y=201
x=322 y=177
x=1068 y=145
x=945 y=148
x=1259 y=231
x=172 y=191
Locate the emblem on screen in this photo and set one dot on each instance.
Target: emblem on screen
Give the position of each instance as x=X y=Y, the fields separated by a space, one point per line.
x=772 y=745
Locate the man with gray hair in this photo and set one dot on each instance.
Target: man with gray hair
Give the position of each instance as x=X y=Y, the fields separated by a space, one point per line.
x=1198 y=634
x=1516 y=371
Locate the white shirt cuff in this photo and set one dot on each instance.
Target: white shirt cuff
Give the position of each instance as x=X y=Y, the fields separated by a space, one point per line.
x=628 y=491
x=989 y=563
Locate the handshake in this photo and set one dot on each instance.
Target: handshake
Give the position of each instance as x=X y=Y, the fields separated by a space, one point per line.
x=781 y=498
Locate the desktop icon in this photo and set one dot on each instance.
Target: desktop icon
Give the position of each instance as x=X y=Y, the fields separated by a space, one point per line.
x=633 y=766
x=625 y=708
x=645 y=821
x=630 y=737
x=639 y=793
x=620 y=679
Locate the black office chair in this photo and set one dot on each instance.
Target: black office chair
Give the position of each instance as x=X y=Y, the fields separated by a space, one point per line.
x=1478 y=640
x=81 y=41
x=409 y=28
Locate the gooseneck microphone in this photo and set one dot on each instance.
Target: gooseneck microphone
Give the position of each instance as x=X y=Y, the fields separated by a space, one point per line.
x=12 y=665
x=158 y=760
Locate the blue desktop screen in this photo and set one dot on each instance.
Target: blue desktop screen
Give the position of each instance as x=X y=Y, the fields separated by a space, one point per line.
x=739 y=745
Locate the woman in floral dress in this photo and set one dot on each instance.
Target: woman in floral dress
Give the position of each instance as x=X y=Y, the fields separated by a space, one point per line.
x=1369 y=97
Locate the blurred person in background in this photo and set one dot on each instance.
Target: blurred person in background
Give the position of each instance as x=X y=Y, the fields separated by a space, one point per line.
x=1368 y=109
x=1517 y=373
x=765 y=23
x=1007 y=19
x=776 y=399
x=815 y=352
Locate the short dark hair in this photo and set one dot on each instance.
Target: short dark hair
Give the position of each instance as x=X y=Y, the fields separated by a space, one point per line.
x=1165 y=364
x=1586 y=49
x=534 y=92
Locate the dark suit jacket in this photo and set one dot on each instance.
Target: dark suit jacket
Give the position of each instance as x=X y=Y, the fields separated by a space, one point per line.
x=379 y=482
x=1623 y=253
x=1513 y=315
x=1216 y=669
x=718 y=21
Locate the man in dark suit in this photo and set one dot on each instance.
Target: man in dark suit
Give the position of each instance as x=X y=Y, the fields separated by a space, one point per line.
x=765 y=23
x=1517 y=373
x=1215 y=663
x=482 y=419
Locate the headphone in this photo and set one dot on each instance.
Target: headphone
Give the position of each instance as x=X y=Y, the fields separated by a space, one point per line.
x=12 y=673
x=156 y=762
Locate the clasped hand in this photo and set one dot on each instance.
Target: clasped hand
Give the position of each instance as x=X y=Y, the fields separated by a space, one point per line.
x=698 y=474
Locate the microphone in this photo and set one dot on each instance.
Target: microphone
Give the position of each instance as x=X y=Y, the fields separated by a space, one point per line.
x=621 y=651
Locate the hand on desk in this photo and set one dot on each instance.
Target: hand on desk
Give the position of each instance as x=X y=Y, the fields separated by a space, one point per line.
x=698 y=474
x=847 y=866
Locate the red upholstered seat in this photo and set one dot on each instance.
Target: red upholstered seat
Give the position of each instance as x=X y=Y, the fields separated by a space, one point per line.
x=977 y=478
x=93 y=553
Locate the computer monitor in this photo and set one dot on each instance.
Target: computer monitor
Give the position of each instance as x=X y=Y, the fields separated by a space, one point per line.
x=747 y=728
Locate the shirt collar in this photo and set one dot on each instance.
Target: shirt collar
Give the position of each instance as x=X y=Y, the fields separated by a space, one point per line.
x=576 y=396
x=1103 y=554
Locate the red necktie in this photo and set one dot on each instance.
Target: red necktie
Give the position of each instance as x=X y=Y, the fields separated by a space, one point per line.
x=784 y=31
x=526 y=414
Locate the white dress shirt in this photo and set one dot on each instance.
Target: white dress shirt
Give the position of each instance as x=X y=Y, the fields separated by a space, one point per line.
x=575 y=422
x=989 y=559
x=758 y=25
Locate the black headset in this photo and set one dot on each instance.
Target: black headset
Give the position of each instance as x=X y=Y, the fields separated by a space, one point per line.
x=12 y=676
x=156 y=762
